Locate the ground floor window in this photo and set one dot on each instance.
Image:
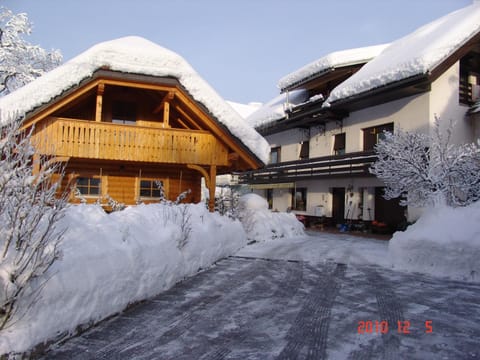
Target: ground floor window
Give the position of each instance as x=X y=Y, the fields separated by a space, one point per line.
x=88 y=186
x=299 y=199
x=151 y=188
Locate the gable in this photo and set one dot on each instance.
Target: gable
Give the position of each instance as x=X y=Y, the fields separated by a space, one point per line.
x=133 y=57
x=145 y=102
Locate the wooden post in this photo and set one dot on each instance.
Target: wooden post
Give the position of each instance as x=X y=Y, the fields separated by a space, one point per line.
x=98 y=108
x=166 y=114
x=211 y=188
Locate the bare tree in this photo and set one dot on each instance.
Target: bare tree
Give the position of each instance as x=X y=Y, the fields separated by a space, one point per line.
x=428 y=169
x=30 y=207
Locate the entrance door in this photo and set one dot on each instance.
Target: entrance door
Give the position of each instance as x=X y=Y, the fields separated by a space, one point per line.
x=388 y=211
x=338 y=206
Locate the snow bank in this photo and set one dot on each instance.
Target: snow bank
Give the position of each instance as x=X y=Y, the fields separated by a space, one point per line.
x=110 y=261
x=138 y=56
x=417 y=53
x=443 y=242
x=261 y=224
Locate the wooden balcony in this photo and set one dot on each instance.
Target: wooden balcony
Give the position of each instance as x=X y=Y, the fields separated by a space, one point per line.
x=107 y=141
x=325 y=167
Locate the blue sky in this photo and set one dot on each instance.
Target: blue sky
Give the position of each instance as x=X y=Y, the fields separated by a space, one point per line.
x=241 y=47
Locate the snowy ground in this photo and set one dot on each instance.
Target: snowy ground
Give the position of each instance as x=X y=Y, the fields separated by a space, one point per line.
x=110 y=261
x=317 y=302
x=319 y=247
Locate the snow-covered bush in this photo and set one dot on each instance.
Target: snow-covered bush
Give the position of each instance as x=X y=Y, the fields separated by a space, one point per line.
x=427 y=170
x=21 y=61
x=227 y=201
x=445 y=242
x=29 y=211
x=261 y=224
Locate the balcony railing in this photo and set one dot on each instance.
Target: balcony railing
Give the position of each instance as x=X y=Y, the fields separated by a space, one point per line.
x=108 y=141
x=348 y=165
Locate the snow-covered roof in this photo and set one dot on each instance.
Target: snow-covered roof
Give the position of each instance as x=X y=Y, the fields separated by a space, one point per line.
x=333 y=60
x=417 y=53
x=245 y=110
x=137 y=56
x=275 y=108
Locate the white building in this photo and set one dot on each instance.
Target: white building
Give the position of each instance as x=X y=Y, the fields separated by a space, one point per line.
x=323 y=127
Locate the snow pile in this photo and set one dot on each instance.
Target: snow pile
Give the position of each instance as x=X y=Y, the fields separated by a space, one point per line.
x=275 y=108
x=261 y=224
x=445 y=241
x=415 y=54
x=333 y=60
x=137 y=56
x=110 y=261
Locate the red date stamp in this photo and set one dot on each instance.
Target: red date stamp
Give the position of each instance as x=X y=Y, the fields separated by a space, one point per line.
x=383 y=327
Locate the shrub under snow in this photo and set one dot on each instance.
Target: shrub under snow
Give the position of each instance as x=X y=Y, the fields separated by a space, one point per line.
x=112 y=260
x=445 y=241
x=262 y=224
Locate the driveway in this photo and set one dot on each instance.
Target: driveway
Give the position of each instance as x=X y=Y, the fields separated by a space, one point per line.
x=289 y=301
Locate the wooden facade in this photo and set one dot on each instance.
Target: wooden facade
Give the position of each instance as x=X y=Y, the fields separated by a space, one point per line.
x=119 y=134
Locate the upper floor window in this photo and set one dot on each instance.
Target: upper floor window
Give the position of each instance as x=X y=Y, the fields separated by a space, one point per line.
x=469 y=83
x=275 y=155
x=305 y=150
x=124 y=112
x=339 y=144
x=372 y=135
x=89 y=186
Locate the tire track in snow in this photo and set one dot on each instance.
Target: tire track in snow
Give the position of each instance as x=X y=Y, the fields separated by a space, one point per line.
x=309 y=332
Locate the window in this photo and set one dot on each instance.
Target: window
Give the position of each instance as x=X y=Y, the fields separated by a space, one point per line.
x=275 y=155
x=299 y=199
x=469 y=82
x=88 y=186
x=372 y=135
x=305 y=150
x=124 y=112
x=339 y=144
x=151 y=188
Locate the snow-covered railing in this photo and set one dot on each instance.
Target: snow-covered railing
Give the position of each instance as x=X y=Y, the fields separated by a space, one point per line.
x=108 y=141
x=356 y=163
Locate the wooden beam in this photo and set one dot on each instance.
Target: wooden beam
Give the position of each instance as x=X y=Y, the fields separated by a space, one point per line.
x=202 y=171
x=211 y=188
x=217 y=130
x=166 y=114
x=58 y=105
x=166 y=99
x=188 y=117
x=98 y=108
x=210 y=182
x=183 y=124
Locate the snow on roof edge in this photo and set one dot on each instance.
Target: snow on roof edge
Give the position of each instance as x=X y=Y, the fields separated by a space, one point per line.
x=133 y=55
x=332 y=60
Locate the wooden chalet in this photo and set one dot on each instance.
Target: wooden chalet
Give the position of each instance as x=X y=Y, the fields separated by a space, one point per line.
x=119 y=133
